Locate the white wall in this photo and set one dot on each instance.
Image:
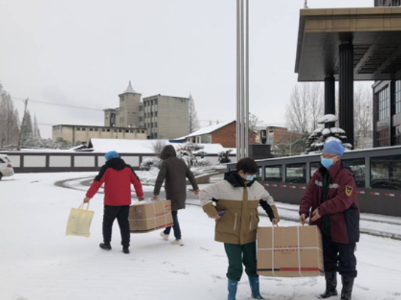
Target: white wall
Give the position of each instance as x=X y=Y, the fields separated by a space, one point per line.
x=131 y=160
x=15 y=160
x=34 y=161
x=60 y=161
x=84 y=161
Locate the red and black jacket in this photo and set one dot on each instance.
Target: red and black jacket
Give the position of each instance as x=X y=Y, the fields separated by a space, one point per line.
x=341 y=204
x=117 y=177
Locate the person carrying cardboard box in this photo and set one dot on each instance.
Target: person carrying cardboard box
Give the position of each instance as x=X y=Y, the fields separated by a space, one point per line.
x=330 y=202
x=233 y=203
x=117 y=177
x=175 y=172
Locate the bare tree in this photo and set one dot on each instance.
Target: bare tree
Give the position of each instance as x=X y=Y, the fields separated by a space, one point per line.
x=252 y=129
x=9 y=130
x=290 y=144
x=20 y=139
x=36 y=130
x=158 y=146
x=305 y=107
x=194 y=124
x=315 y=104
x=363 y=117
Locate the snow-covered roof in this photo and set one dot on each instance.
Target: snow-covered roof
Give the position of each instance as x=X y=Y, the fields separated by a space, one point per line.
x=142 y=146
x=205 y=130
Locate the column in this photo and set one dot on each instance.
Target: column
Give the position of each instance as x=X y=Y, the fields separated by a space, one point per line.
x=329 y=98
x=346 y=97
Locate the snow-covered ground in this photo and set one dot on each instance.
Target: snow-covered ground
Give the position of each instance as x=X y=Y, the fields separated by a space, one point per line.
x=38 y=262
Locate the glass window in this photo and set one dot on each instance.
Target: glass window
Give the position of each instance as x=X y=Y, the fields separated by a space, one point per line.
x=295 y=173
x=155 y=113
x=2 y=161
x=398 y=96
x=358 y=168
x=398 y=135
x=383 y=137
x=383 y=103
x=259 y=175
x=314 y=167
x=385 y=172
x=273 y=173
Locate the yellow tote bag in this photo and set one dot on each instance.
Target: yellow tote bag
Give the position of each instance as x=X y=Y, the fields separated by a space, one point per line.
x=79 y=221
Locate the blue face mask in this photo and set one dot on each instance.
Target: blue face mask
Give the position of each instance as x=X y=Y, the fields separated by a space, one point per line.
x=250 y=177
x=327 y=162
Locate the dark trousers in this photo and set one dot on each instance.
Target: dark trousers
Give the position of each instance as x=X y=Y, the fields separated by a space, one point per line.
x=176 y=226
x=339 y=257
x=238 y=255
x=121 y=214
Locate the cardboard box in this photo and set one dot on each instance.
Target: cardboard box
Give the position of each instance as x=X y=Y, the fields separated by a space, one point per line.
x=150 y=215
x=290 y=251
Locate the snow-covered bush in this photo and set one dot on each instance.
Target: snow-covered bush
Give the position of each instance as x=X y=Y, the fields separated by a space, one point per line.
x=200 y=153
x=149 y=163
x=224 y=157
x=321 y=136
x=192 y=147
x=202 y=162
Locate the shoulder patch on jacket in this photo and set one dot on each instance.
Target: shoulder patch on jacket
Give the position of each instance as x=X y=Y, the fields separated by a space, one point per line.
x=348 y=190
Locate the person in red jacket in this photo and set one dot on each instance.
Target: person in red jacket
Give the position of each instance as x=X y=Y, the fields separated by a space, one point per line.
x=330 y=202
x=117 y=177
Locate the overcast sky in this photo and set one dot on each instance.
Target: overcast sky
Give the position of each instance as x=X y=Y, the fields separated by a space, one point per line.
x=83 y=53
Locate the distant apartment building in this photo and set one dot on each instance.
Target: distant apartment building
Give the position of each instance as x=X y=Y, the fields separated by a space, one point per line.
x=127 y=114
x=83 y=133
x=280 y=135
x=156 y=117
x=165 y=117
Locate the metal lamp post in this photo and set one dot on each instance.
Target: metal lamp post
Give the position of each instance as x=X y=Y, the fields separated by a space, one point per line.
x=242 y=136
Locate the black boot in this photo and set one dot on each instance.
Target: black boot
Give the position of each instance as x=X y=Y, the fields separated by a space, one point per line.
x=348 y=283
x=331 y=284
x=105 y=246
x=126 y=250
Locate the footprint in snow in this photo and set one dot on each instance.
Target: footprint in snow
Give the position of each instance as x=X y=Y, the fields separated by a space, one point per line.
x=204 y=249
x=168 y=263
x=362 y=287
x=219 y=255
x=179 y=272
x=218 y=277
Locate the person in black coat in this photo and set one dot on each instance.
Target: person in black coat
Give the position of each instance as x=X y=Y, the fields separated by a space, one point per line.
x=175 y=172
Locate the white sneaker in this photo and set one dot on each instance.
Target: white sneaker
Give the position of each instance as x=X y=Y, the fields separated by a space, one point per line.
x=164 y=236
x=177 y=242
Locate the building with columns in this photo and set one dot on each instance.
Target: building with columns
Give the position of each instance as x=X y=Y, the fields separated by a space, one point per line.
x=355 y=44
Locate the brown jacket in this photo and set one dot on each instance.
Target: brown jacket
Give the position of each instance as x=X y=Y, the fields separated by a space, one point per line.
x=240 y=201
x=175 y=172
